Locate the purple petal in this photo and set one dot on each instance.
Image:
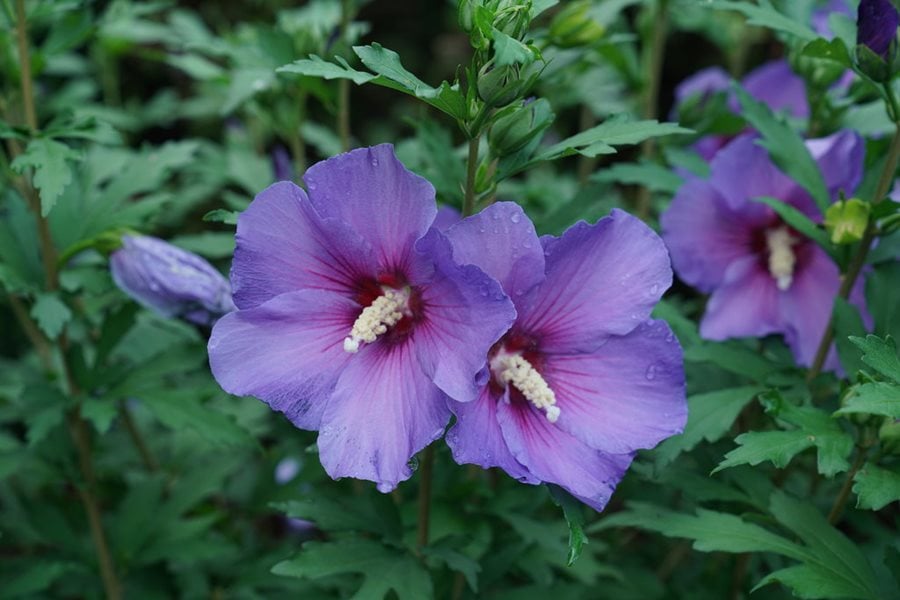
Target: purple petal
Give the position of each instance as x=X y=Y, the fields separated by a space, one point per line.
x=877 y=22
x=743 y=170
x=704 y=82
x=502 y=242
x=169 y=280
x=383 y=410
x=555 y=456
x=602 y=280
x=287 y=352
x=746 y=304
x=820 y=16
x=706 y=235
x=807 y=304
x=840 y=158
x=466 y=312
x=370 y=190
x=446 y=217
x=283 y=245
x=627 y=395
x=476 y=437
x=776 y=85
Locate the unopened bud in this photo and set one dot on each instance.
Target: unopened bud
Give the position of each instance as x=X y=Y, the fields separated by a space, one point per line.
x=574 y=26
x=499 y=86
x=846 y=221
x=513 y=131
x=876 y=39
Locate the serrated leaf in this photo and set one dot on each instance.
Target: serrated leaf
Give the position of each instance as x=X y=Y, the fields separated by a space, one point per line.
x=876 y=487
x=99 y=412
x=876 y=398
x=832 y=443
x=52 y=172
x=510 y=51
x=880 y=354
x=574 y=514
x=315 y=66
x=710 y=416
x=51 y=314
x=755 y=447
x=180 y=409
x=765 y=15
x=786 y=148
x=383 y=569
x=812 y=582
x=456 y=561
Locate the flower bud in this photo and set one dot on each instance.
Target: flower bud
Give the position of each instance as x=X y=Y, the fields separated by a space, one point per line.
x=573 y=26
x=846 y=221
x=465 y=15
x=876 y=38
x=889 y=434
x=170 y=281
x=512 y=17
x=513 y=131
x=499 y=86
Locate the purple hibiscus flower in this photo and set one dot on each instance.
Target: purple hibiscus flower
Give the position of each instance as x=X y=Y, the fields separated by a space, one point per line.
x=354 y=320
x=773 y=83
x=877 y=22
x=583 y=378
x=171 y=281
x=764 y=276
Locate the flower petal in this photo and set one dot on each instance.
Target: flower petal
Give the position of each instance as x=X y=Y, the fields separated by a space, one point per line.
x=446 y=217
x=502 y=242
x=746 y=304
x=627 y=395
x=476 y=437
x=287 y=352
x=705 y=235
x=743 y=170
x=555 y=456
x=776 y=85
x=283 y=245
x=602 y=280
x=840 y=158
x=370 y=190
x=466 y=312
x=383 y=410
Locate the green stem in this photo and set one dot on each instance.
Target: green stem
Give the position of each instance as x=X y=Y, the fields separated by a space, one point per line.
x=471 y=170
x=838 y=507
x=343 y=124
x=25 y=66
x=424 y=518
x=848 y=279
x=137 y=438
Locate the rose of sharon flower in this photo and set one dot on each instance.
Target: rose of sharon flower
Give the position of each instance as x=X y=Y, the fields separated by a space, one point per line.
x=764 y=276
x=353 y=318
x=582 y=379
x=171 y=281
x=877 y=22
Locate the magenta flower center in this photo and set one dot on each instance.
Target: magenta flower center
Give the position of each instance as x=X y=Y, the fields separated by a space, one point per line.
x=511 y=369
x=390 y=309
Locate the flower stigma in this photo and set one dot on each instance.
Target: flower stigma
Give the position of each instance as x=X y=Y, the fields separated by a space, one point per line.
x=781 y=257
x=514 y=369
x=385 y=311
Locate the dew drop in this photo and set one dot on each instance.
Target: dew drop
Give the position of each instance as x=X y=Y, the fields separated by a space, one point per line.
x=374 y=162
x=650 y=373
x=495 y=216
x=515 y=217
x=654 y=289
x=526 y=244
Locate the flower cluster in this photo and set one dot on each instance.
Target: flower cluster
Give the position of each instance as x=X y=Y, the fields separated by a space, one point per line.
x=364 y=317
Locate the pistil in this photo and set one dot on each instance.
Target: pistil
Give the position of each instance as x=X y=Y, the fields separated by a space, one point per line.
x=781 y=257
x=513 y=369
x=384 y=312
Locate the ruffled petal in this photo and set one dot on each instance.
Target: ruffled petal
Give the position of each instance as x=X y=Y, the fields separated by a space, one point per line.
x=383 y=410
x=283 y=246
x=840 y=158
x=746 y=304
x=287 y=352
x=465 y=313
x=555 y=456
x=476 y=437
x=627 y=395
x=705 y=235
x=370 y=190
x=742 y=170
x=446 y=217
x=807 y=305
x=502 y=242
x=602 y=280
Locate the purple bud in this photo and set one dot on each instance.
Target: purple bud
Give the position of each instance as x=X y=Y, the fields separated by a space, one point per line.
x=877 y=22
x=169 y=280
x=281 y=163
x=286 y=470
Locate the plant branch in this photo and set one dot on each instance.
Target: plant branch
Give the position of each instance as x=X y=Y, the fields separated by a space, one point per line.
x=653 y=62
x=137 y=438
x=424 y=517
x=25 y=66
x=343 y=124
x=471 y=170
x=838 y=507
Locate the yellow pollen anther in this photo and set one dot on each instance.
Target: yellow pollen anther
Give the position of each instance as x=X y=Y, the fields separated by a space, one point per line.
x=386 y=311
x=515 y=370
x=781 y=257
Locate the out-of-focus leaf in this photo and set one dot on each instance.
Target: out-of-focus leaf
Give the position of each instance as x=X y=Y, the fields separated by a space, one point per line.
x=880 y=354
x=876 y=398
x=52 y=172
x=36 y=578
x=383 y=569
x=180 y=409
x=367 y=513
x=51 y=314
x=847 y=322
x=574 y=513
x=616 y=131
x=765 y=15
x=733 y=358
x=876 y=487
x=100 y=412
x=220 y=215
x=833 y=50
x=649 y=175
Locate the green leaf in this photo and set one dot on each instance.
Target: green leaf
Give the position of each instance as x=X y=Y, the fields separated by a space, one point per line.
x=811 y=581
x=211 y=244
x=574 y=513
x=800 y=222
x=765 y=15
x=329 y=513
x=876 y=398
x=510 y=51
x=732 y=357
x=880 y=354
x=100 y=412
x=315 y=66
x=652 y=176
x=847 y=322
x=383 y=569
x=710 y=416
x=52 y=173
x=387 y=64
x=37 y=577
x=220 y=215
x=711 y=531
x=875 y=487
x=785 y=147
x=180 y=409
x=756 y=447
x=51 y=314
x=833 y=50
x=455 y=560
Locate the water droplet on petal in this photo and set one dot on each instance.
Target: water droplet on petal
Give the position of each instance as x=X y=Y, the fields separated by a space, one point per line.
x=374 y=162
x=654 y=289
x=515 y=217
x=650 y=373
